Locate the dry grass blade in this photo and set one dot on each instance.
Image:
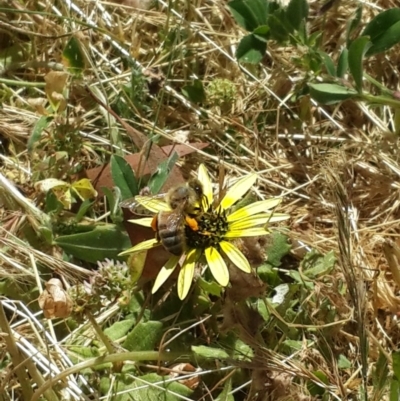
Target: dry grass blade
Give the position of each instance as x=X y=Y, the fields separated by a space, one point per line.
x=350 y=255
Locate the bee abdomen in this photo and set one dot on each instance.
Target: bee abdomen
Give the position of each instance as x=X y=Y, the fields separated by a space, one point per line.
x=173 y=242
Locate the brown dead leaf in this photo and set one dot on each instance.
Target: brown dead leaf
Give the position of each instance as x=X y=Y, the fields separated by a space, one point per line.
x=243 y=318
x=184 y=369
x=244 y=285
x=54 y=300
x=55 y=85
x=155 y=79
x=144 y=162
x=101 y=176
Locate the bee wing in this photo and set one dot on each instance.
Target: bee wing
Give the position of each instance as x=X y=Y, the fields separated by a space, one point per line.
x=153 y=203
x=144 y=205
x=175 y=218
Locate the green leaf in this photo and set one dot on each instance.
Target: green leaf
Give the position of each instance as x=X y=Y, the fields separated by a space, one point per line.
x=158 y=179
x=331 y=93
x=396 y=364
x=251 y=49
x=105 y=241
x=353 y=23
x=262 y=33
x=243 y=351
x=123 y=177
x=343 y=362
x=145 y=336
x=39 y=127
x=243 y=14
x=211 y=288
x=195 y=93
x=384 y=42
x=357 y=50
x=249 y=14
x=278 y=249
x=279 y=26
x=119 y=329
x=296 y=345
x=268 y=274
x=314 y=389
x=47 y=234
x=394 y=390
x=314 y=264
x=130 y=388
x=381 y=23
x=202 y=351
x=381 y=373
x=81 y=352
x=83 y=209
x=73 y=57
x=343 y=63
x=297 y=12
x=16 y=53
x=225 y=393
x=11 y=288
x=263 y=310
x=384 y=31
x=52 y=204
x=329 y=65
x=301 y=279
x=113 y=199
x=314 y=40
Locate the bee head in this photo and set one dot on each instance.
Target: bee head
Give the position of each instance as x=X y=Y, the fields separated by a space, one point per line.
x=196 y=195
x=187 y=196
x=197 y=187
x=178 y=197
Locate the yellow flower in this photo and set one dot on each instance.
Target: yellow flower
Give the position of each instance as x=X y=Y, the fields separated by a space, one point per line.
x=218 y=226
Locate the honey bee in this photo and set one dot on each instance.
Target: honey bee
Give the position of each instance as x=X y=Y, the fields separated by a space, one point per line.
x=185 y=205
x=185 y=202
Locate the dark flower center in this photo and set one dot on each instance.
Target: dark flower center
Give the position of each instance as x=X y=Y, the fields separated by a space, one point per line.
x=213 y=226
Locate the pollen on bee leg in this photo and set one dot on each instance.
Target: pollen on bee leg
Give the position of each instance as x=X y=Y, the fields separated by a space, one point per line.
x=154 y=223
x=192 y=223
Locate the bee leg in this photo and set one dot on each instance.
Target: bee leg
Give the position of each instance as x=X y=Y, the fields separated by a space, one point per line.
x=192 y=223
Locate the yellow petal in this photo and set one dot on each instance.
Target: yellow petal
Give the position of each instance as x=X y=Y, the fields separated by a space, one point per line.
x=141 y=246
x=253 y=208
x=145 y=221
x=217 y=266
x=185 y=277
x=50 y=183
x=154 y=204
x=258 y=219
x=136 y=262
x=235 y=256
x=249 y=232
x=84 y=189
x=278 y=217
x=249 y=223
x=238 y=190
x=205 y=180
x=165 y=272
x=61 y=190
x=64 y=196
